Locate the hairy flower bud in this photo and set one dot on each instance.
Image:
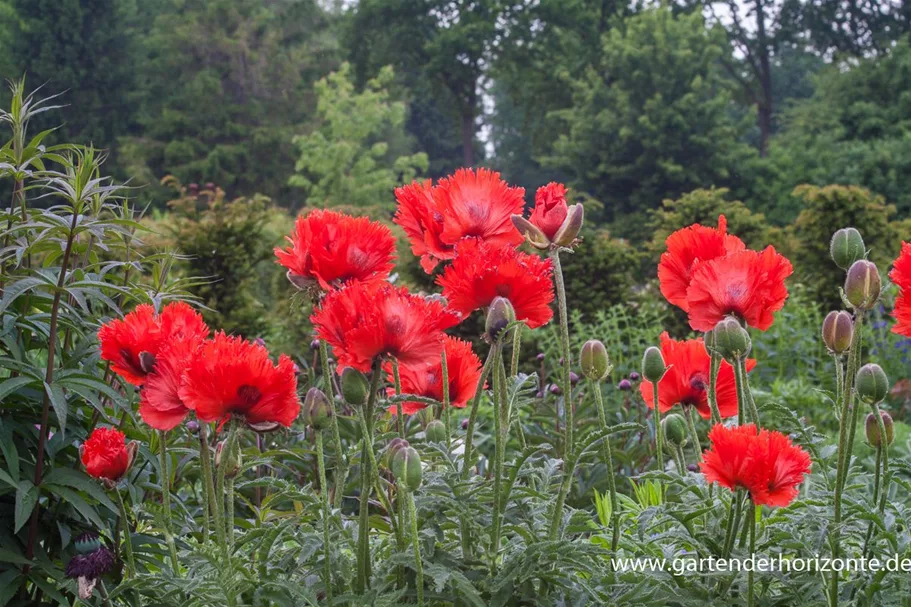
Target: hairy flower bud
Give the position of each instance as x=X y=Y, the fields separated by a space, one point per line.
x=355 y=387
x=863 y=284
x=232 y=463
x=395 y=445
x=568 y=232
x=500 y=314
x=653 y=367
x=317 y=409
x=871 y=383
x=435 y=431
x=594 y=360
x=872 y=429
x=531 y=232
x=674 y=427
x=731 y=340
x=838 y=331
x=846 y=247
x=406 y=466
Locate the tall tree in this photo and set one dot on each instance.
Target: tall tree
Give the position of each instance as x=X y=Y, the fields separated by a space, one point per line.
x=83 y=49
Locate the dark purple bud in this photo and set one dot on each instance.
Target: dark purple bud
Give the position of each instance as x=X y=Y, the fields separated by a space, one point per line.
x=91 y=565
x=555 y=389
x=465 y=424
x=193 y=426
x=314 y=345
x=540 y=394
x=625 y=384
x=540 y=357
x=573 y=378
x=634 y=376
x=693 y=467
x=259 y=341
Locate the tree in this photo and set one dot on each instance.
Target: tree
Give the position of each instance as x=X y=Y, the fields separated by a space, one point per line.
x=83 y=49
x=226 y=82
x=654 y=120
x=347 y=159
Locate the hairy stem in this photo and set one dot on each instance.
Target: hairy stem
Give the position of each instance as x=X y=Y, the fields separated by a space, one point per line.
x=125 y=525
x=688 y=413
x=418 y=564
x=324 y=496
x=368 y=462
x=166 y=499
x=595 y=388
x=341 y=462
x=499 y=417
x=205 y=464
x=473 y=414
x=714 y=367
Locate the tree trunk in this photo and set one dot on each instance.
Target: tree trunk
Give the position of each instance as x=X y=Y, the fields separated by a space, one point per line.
x=468 y=135
x=764 y=103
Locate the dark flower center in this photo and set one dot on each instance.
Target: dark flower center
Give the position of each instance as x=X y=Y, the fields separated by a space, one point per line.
x=248 y=395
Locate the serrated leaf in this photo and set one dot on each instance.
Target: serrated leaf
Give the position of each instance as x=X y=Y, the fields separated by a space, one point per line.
x=26 y=499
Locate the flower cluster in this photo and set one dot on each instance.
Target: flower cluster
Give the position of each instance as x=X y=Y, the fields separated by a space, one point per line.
x=763 y=462
x=710 y=274
x=179 y=370
x=686 y=381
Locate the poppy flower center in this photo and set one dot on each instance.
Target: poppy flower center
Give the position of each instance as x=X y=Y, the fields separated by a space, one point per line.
x=248 y=395
x=698 y=384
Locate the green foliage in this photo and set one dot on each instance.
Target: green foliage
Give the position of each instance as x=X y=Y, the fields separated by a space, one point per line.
x=652 y=121
x=827 y=209
x=600 y=272
x=344 y=161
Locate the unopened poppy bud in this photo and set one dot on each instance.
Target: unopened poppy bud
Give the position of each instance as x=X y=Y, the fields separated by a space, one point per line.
x=674 y=427
x=625 y=385
x=653 y=367
x=317 y=409
x=500 y=314
x=838 y=331
x=395 y=445
x=232 y=463
x=407 y=469
x=731 y=340
x=435 y=431
x=594 y=360
x=355 y=387
x=872 y=428
x=846 y=247
x=863 y=284
x=568 y=232
x=871 y=383
x=193 y=426
x=531 y=232
x=634 y=376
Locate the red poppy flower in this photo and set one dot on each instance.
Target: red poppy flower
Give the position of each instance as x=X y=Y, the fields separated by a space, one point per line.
x=105 y=454
x=550 y=208
x=230 y=376
x=131 y=344
x=468 y=204
x=463 y=366
x=422 y=221
x=727 y=461
x=481 y=272
x=901 y=276
x=747 y=284
x=687 y=380
x=331 y=248
x=365 y=320
x=685 y=249
x=775 y=468
x=160 y=405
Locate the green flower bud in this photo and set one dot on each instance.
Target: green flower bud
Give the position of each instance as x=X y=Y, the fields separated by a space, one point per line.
x=394 y=446
x=653 y=367
x=731 y=340
x=499 y=314
x=838 y=331
x=531 y=232
x=232 y=463
x=407 y=469
x=87 y=542
x=675 y=430
x=872 y=429
x=871 y=383
x=863 y=284
x=435 y=431
x=355 y=387
x=317 y=409
x=568 y=232
x=594 y=360
x=846 y=247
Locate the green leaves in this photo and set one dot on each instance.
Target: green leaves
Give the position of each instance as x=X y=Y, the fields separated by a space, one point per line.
x=26 y=499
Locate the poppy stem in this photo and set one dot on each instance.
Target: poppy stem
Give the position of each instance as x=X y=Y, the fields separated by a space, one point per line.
x=220 y=486
x=847 y=426
x=712 y=396
x=747 y=391
x=659 y=434
x=473 y=414
x=688 y=413
x=400 y=425
x=399 y=417
x=884 y=447
x=368 y=464
x=514 y=372
x=341 y=464
x=205 y=458
x=418 y=564
x=680 y=460
x=446 y=408
x=751 y=574
x=324 y=496
x=876 y=488
x=733 y=522
x=595 y=388
x=569 y=447
x=166 y=499
x=125 y=525
x=500 y=421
